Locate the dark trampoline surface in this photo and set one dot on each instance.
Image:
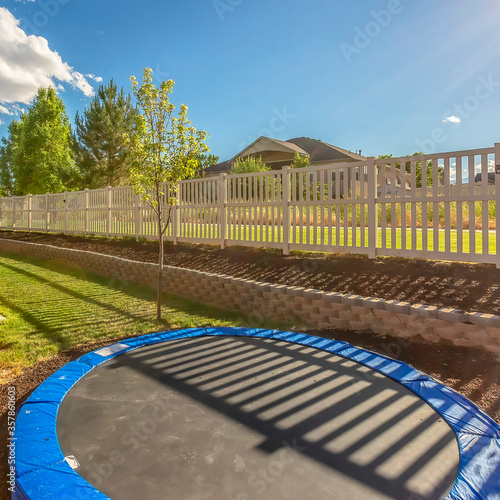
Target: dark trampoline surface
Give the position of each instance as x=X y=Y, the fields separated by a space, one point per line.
x=244 y=418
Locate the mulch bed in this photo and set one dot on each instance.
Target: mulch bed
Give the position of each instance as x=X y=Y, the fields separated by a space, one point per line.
x=473 y=372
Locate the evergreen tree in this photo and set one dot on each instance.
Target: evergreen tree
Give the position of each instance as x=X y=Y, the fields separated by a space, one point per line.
x=37 y=157
x=103 y=155
x=6 y=159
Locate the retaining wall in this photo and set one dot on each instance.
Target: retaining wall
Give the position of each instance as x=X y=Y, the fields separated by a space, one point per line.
x=314 y=308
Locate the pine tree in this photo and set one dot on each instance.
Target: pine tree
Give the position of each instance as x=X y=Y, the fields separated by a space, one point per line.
x=7 y=167
x=103 y=156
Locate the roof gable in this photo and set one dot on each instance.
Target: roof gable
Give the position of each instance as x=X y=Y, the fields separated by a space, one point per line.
x=263 y=144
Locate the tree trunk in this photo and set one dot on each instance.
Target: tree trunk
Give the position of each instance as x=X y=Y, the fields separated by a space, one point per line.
x=160 y=270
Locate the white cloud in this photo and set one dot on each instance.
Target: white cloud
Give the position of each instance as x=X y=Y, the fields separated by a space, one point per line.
x=452 y=119
x=479 y=166
x=2 y=122
x=98 y=79
x=5 y=111
x=27 y=63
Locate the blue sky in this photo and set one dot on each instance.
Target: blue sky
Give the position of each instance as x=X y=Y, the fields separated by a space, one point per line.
x=390 y=76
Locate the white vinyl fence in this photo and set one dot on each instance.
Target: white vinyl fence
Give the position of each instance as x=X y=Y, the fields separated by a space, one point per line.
x=431 y=206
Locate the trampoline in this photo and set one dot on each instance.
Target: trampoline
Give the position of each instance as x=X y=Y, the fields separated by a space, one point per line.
x=233 y=413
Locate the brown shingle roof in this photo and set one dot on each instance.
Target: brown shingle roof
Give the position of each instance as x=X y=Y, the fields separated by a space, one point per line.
x=318 y=151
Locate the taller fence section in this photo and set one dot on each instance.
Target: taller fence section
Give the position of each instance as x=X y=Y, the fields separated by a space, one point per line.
x=439 y=206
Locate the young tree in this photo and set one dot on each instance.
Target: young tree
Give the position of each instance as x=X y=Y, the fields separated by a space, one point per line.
x=103 y=156
x=300 y=161
x=165 y=149
x=249 y=165
x=37 y=157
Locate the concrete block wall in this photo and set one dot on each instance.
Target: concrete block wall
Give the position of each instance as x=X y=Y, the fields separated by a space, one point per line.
x=314 y=308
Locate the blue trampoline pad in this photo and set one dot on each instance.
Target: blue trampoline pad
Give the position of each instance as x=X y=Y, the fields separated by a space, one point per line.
x=243 y=414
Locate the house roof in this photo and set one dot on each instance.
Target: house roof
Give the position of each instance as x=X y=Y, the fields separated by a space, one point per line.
x=263 y=144
x=491 y=177
x=318 y=151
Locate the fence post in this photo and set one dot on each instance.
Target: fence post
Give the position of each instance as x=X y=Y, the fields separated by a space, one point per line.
x=222 y=194
x=47 y=213
x=29 y=213
x=13 y=212
x=108 y=214
x=65 y=212
x=86 y=210
x=372 y=208
x=138 y=221
x=497 y=201
x=176 y=219
x=285 y=183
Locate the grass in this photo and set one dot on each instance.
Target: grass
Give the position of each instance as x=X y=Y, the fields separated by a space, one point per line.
x=250 y=232
x=50 y=308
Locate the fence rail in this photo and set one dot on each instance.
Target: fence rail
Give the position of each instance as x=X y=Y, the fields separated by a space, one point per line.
x=438 y=206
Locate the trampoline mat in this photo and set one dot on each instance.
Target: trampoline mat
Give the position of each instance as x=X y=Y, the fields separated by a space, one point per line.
x=243 y=418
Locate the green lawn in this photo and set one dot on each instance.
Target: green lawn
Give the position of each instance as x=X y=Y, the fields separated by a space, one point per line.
x=309 y=236
x=319 y=237
x=50 y=308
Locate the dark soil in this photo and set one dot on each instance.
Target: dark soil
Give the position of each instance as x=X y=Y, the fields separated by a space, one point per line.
x=473 y=372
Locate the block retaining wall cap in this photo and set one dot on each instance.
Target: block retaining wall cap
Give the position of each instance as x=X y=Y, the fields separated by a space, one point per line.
x=373 y=303
x=313 y=294
x=396 y=306
x=481 y=319
x=333 y=297
x=424 y=311
x=454 y=315
x=296 y=291
x=279 y=289
x=263 y=287
x=351 y=300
